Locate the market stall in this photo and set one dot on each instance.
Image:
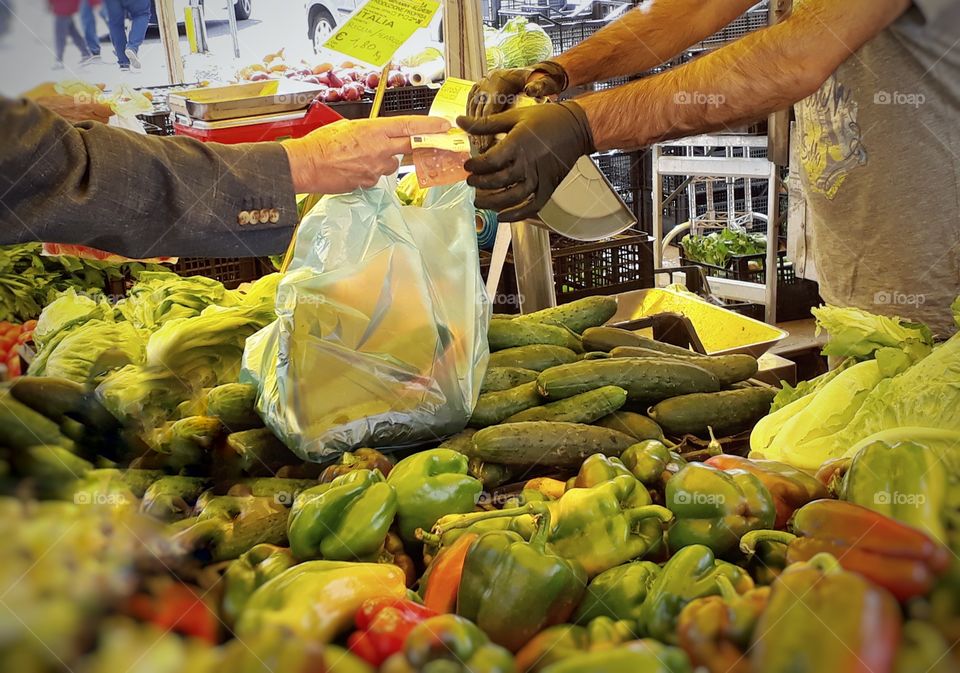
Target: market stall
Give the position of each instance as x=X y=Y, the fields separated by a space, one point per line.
x=374 y=461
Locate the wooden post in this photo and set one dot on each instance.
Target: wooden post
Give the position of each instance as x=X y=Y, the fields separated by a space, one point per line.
x=170 y=39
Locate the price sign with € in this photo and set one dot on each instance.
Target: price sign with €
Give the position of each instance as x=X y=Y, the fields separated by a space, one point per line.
x=375 y=32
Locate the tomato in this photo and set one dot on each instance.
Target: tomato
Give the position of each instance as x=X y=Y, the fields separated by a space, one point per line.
x=6 y=341
x=30 y=325
x=13 y=365
x=24 y=337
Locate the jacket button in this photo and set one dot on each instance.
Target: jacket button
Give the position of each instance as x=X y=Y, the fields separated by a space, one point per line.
x=274 y=216
x=264 y=216
x=243 y=217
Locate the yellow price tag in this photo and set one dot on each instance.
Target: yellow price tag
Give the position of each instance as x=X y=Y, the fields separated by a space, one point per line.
x=380 y=27
x=451 y=100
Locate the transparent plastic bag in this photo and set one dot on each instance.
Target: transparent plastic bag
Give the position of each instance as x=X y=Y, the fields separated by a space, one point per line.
x=380 y=337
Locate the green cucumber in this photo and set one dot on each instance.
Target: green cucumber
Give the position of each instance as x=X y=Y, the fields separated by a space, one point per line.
x=459 y=442
x=21 y=427
x=728 y=369
x=538 y=357
x=645 y=380
x=577 y=315
x=727 y=413
x=593 y=355
x=505 y=378
x=608 y=338
x=545 y=443
x=512 y=333
x=59 y=398
x=638 y=426
x=493 y=408
x=584 y=408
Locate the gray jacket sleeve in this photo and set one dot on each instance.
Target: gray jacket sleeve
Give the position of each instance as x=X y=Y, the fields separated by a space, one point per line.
x=137 y=195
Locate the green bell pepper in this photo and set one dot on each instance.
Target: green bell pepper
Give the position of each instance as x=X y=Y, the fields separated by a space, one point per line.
x=317 y=600
x=254 y=568
x=227 y=526
x=652 y=462
x=513 y=589
x=274 y=651
x=617 y=593
x=639 y=656
x=715 y=508
x=691 y=573
x=429 y=485
x=346 y=519
x=449 y=644
x=597 y=469
x=905 y=482
x=563 y=641
x=605 y=526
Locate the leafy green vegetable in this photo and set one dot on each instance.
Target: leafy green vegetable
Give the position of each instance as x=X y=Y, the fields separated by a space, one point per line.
x=523 y=43
x=74 y=356
x=162 y=296
x=788 y=393
x=68 y=311
x=858 y=334
x=719 y=247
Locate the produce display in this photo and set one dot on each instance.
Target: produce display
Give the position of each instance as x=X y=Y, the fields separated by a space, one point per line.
x=719 y=247
x=595 y=515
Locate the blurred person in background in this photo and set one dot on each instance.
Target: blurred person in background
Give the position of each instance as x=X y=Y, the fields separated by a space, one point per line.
x=6 y=16
x=64 y=27
x=88 y=22
x=127 y=45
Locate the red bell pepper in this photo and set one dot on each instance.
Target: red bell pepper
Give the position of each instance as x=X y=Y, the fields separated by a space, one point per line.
x=176 y=607
x=790 y=488
x=895 y=556
x=442 y=579
x=820 y=618
x=383 y=625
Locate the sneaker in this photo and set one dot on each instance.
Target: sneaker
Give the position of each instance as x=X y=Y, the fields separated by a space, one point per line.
x=134 y=59
x=87 y=60
x=58 y=65
x=124 y=67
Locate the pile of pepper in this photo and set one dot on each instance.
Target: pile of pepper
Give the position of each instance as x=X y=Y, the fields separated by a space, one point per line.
x=648 y=560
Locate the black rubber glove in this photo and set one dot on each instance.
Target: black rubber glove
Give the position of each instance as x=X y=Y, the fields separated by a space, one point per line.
x=496 y=92
x=519 y=174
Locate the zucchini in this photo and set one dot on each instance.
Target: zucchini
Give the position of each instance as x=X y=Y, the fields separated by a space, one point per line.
x=728 y=369
x=645 y=380
x=583 y=408
x=21 y=427
x=608 y=338
x=546 y=443
x=637 y=426
x=493 y=408
x=235 y=405
x=577 y=315
x=512 y=333
x=537 y=357
x=727 y=413
x=505 y=378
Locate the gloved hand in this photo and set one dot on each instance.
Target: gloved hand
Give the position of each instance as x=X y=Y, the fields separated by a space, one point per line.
x=495 y=92
x=519 y=174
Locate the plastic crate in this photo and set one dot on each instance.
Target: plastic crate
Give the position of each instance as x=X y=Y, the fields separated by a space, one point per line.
x=158 y=123
x=753 y=19
x=231 y=271
x=408 y=99
x=619 y=264
x=622 y=169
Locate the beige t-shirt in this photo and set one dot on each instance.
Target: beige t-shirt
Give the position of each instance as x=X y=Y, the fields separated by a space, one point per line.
x=879 y=147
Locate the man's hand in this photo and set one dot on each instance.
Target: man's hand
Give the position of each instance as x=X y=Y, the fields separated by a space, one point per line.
x=518 y=176
x=74 y=109
x=496 y=92
x=343 y=156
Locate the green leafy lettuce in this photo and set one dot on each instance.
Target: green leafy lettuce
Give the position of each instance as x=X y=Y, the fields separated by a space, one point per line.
x=859 y=334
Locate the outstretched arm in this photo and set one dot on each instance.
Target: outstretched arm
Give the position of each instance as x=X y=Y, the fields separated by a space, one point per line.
x=645 y=37
x=763 y=72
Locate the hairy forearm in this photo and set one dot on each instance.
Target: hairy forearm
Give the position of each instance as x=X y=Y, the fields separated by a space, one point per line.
x=764 y=72
x=646 y=36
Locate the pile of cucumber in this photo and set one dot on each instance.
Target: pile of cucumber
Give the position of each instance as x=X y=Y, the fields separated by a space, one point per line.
x=560 y=386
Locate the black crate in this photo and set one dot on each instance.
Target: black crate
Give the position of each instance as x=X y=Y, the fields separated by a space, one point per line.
x=231 y=271
x=408 y=100
x=753 y=19
x=622 y=170
x=619 y=264
x=158 y=123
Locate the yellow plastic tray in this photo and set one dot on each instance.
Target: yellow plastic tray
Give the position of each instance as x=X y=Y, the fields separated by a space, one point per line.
x=721 y=331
